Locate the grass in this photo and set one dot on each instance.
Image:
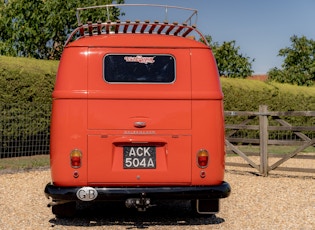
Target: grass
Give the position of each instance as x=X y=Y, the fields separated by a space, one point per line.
x=273 y=149
x=24 y=163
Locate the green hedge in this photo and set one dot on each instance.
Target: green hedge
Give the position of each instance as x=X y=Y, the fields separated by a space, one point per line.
x=25 y=98
x=247 y=95
x=27 y=84
x=25 y=80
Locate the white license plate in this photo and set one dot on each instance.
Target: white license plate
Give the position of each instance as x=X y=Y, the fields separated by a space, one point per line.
x=139 y=157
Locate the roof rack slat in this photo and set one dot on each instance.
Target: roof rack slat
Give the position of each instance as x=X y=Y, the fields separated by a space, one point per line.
x=171 y=27
x=144 y=26
x=117 y=26
x=126 y=26
x=179 y=29
x=90 y=26
x=153 y=26
x=135 y=26
x=189 y=29
x=108 y=25
x=81 y=30
x=162 y=27
x=99 y=27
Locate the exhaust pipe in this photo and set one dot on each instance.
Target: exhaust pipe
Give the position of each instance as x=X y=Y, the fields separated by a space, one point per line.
x=53 y=203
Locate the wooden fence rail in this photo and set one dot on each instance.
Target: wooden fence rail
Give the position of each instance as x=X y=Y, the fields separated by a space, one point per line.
x=264 y=117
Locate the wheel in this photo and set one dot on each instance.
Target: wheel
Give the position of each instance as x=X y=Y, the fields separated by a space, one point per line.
x=64 y=210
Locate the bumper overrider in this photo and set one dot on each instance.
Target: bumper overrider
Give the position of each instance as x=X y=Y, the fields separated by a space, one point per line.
x=123 y=193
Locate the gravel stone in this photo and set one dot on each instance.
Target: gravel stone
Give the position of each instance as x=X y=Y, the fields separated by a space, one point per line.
x=279 y=201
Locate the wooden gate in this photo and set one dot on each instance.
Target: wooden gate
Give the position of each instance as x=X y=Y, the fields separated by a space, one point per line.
x=305 y=135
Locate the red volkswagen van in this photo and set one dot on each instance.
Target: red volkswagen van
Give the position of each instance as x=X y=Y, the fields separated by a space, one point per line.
x=137 y=116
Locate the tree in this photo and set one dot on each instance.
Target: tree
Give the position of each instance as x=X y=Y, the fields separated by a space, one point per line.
x=22 y=32
x=299 y=63
x=38 y=28
x=231 y=63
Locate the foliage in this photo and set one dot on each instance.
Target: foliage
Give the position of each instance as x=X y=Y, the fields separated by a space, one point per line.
x=38 y=28
x=231 y=63
x=247 y=95
x=26 y=86
x=22 y=30
x=299 y=63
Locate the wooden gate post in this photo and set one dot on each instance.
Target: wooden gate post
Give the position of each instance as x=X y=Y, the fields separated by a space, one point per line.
x=263 y=134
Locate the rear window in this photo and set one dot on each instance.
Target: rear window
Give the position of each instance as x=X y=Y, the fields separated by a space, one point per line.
x=134 y=68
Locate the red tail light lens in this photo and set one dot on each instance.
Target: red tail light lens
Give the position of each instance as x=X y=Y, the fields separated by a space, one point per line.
x=75 y=158
x=202 y=158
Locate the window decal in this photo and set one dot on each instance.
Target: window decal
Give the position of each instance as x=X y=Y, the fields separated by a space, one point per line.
x=139 y=59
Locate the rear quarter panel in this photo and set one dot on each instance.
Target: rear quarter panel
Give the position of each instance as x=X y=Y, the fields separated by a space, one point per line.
x=207 y=117
x=69 y=117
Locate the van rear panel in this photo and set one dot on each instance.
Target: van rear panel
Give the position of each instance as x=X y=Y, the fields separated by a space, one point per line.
x=124 y=111
x=114 y=114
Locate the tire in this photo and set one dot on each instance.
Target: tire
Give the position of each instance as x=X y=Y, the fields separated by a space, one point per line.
x=65 y=210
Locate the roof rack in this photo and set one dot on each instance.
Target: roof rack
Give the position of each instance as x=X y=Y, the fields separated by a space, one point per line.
x=193 y=13
x=144 y=27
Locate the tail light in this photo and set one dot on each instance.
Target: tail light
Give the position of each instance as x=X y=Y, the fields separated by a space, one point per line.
x=75 y=158
x=202 y=158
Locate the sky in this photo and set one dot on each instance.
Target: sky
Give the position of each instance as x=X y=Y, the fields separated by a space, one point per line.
x=260 y=27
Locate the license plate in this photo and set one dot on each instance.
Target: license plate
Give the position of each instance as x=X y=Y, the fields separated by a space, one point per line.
x=139 y=157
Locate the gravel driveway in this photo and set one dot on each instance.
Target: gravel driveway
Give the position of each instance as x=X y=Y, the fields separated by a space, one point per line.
x=275 y=202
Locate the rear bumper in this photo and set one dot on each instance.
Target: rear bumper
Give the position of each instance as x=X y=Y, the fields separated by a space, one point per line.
x=158 y=193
